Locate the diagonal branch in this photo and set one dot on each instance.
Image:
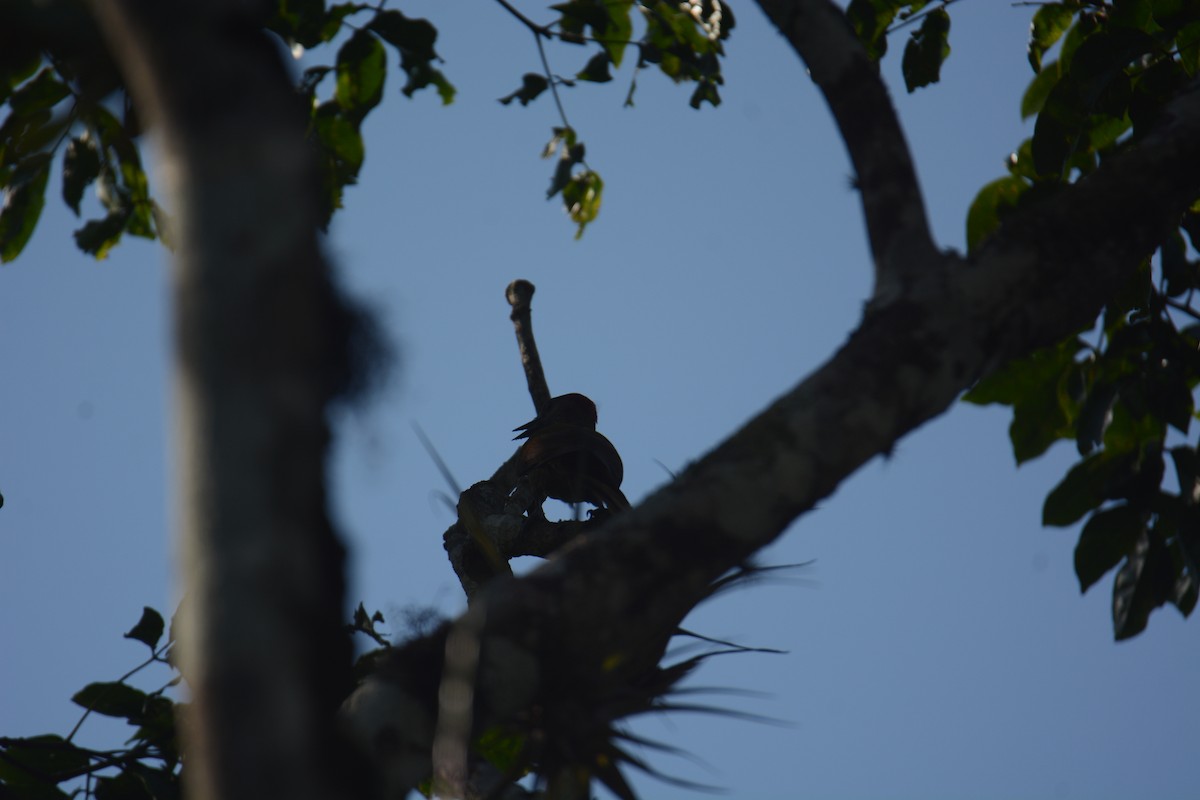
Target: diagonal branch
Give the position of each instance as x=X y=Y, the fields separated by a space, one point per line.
x=593 y=624
x=901 y=243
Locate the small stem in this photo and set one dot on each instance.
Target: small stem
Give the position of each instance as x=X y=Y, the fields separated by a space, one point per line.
x=520 y=296
x=550 y=80
x=154 y=656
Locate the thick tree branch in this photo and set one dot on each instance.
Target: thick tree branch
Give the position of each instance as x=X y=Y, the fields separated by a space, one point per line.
x=258 y=350
x=589 y=628
x=901 y=243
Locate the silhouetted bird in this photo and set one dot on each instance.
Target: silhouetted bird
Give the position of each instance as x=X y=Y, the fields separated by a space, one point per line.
x=578 y=464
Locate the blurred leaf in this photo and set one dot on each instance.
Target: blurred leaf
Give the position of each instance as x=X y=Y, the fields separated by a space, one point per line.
x=576 y=16
x=706 y=92
x=870 y=20
x=1109 y=536
x=43 y=92
x=1186 y=589
x=21 y=60
x=1143 y=584
x=1036 y=388
x=1084 y=488
x=1038 y=90
x=341 y=137
x=301 y=21
x=1188 y=43
x=618 y=31
x=24 y=198
x=361 y=69
x=332 y=24
x=81 y=166
x=501 y=748
x=1094 y=417
x=30 y=767
x=927 y=48
x=98 y=236
x=582 y=196
x=149 y=628
x=414 y=39
x=570 y=153
x=1049 y=23
x=983 y=218
x=532 y=85
x=122 y=786
x=1056 y=130
x=596 y=69
x=112 y=699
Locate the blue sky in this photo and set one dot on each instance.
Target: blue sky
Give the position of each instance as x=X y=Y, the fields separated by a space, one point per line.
x=937 y=648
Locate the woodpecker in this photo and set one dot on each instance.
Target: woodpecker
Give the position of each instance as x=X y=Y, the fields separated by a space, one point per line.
x=577 y=464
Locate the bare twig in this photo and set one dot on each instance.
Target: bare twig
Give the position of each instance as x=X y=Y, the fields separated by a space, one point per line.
x=520 y=296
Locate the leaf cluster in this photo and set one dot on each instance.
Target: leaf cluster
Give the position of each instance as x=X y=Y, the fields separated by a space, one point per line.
x=1103 y=71
x=148 y=767
x=359 y=72
x=684 y=41
x=1128 y=402
x=59 y=91
x=928 y=46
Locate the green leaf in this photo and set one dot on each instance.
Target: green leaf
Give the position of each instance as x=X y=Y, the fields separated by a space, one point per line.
x=1143 y=584
x=149 y=628
x=24 y=198
x=706 y=92
x=112 y=699
x=581 y=197
x=618 y=31
x=927 y=48
x=21 y=59
x=989 y=206
x=1188 y=43
x=81 y=166
x=340 y=137
x=30 y=767
x=576 y=16
x=596 y=69
x=1084 y=488
x=414 y=39
x=1109 y=536
x=532 y=85
x=1094 y=417
x=1039 y=89
x=870 y=20
x=332 y=24
x=122 y=786
x=300 y=21
x=570 y=152
x=503 y=749
x=98 y=236
x=43 y=92
x=1049 y=23
x=361 y=69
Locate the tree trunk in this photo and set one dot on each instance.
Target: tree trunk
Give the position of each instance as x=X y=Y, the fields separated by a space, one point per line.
x=255 y=328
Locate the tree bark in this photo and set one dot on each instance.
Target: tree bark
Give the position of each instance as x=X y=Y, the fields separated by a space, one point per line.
x=256 y=344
